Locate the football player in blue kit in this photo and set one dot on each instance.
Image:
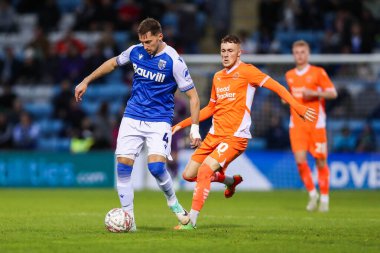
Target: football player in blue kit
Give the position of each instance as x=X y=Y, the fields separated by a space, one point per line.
x=158 y=72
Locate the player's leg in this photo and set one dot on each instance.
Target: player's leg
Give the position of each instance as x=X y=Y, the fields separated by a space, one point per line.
x=323 y=182
x=307 y=178
x=127 y=147
x=227 y=150
x=299 y=140
x=202 y=188
x=158 y=140
x=191 y=170
x=320 y=154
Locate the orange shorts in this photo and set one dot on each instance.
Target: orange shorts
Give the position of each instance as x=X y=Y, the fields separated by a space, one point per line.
x=313 y=140
x=224 y=149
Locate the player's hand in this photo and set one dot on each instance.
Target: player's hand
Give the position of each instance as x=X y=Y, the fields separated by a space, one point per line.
x=195 y=137
x=80 y=89
x=309 y=94
x=175 y=129
x=310 y=115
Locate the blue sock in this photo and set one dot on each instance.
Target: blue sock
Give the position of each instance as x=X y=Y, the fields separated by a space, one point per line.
x=164 y=181
x=124 y=187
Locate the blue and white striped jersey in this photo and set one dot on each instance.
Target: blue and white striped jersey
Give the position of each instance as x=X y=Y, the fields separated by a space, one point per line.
x=155 y=81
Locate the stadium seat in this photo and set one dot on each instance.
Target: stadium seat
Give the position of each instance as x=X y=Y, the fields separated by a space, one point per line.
x=39 y=110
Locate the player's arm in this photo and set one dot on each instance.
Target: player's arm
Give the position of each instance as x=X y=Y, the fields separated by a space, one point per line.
x=204 y=114
x=102 y=70
x=328 y=90
x=195 y=137
x=305 y=112
x=326 y=94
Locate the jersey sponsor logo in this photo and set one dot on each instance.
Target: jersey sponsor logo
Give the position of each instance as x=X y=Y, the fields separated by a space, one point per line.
x=224 y=92
x=157 y=77
x=161 y=64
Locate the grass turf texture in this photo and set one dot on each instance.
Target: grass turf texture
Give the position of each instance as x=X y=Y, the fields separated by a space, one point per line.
x=56 y=220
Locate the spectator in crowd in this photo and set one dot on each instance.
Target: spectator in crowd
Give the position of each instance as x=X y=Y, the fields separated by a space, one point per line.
x=25 y=133
x=62 y=101
x=17 y=110
x=102 y=125
x=5 y=132
x=8 y=17
x=72 y=65
x=248 y=46
x=343 y=105
x=74 y=116
x=68 y=41
x=82 y=138
x=366 y=140
x=95 y=59
x=105 y=15
x=51 y=66
x=85 y=16
x=49 y=15
x=129 y=14
x=108 y=44
x=7 y=98
x=276 y=136
x=9 y=67
x=40 y=44
x=344 y=141
x=30 y=71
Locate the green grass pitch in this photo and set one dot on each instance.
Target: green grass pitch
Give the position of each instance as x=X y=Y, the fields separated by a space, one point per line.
x=71 y=220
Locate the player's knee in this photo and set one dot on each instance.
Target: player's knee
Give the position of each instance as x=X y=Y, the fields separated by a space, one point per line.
x=127 y=160
x=157 y=168
x=321 y=163
x=124 y=170
x=188 y=178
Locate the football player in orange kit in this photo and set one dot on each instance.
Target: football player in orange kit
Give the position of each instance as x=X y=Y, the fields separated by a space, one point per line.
x=310 y=86
x=232 y=94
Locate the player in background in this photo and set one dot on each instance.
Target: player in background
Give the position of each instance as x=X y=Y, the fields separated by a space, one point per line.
x=310 y=86
x=158 y=72
x=230 y=104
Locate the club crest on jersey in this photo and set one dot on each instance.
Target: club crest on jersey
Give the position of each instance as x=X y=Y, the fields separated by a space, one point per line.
x=235 y=76
x=161 y=64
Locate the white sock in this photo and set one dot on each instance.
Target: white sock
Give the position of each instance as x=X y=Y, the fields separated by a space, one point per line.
x=324 y=198
x=193 y=216
x=165 y=183
x=313 y=193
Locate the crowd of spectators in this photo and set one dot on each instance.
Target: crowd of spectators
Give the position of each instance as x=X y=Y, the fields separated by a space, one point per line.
x=347 y=27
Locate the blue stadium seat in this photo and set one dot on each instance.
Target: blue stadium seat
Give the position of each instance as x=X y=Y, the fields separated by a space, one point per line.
x=50 y=127
x=54 y=144
x=39 y=110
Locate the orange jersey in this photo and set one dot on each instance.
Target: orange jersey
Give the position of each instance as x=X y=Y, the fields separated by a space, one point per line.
x=314 y=78
x=232 y=92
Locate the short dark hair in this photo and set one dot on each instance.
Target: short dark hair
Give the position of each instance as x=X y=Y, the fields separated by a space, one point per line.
x=230 y=38
x=149 y=25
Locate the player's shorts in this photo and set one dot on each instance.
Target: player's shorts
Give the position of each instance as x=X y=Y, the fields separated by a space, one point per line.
x=313 y=140
x=224 y=149
x=133 y=133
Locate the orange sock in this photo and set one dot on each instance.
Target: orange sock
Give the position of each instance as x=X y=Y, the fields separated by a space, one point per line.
x=189 y=179
x=202 y=188
x=306 y=176
x=323 y=180
x=218 y=177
